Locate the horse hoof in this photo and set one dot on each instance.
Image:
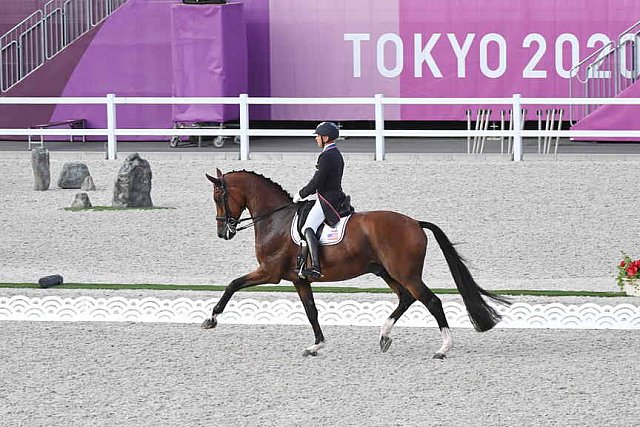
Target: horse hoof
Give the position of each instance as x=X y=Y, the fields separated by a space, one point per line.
x=439 y=356
x=385 y=343
x=209 y=323
x=310 y=353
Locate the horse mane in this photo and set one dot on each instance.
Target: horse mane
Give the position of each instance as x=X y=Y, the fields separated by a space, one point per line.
x=268 y=180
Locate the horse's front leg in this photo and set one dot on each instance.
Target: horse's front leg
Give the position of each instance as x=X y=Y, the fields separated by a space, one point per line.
x=257 y=277
x=306 y=296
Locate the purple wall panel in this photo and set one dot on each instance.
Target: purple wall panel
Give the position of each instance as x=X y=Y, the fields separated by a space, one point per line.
x=410 y=48
x=14 y=11
x=48 y=80
x=504 y=40
x=310 y=57
x=209 y=59
x=256 y=14
x=130 y=56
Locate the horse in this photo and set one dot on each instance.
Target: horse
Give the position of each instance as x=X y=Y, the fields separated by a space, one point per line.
x=388 y=244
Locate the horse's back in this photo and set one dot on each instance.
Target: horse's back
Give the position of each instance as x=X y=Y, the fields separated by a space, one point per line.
x=388 y=226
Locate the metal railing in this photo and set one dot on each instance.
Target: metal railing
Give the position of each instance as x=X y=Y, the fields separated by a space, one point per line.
x=606 y=72
x=515 y=131
x=46 y=32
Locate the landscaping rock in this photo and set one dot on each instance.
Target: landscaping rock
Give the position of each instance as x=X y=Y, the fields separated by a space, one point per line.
x=72 y=175
x=133 y=183
x=81 y=201
x=41 y=171
x=88 y=184
x=49 y=281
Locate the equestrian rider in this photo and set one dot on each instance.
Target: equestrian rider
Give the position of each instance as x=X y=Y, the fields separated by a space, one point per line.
x=327 y=184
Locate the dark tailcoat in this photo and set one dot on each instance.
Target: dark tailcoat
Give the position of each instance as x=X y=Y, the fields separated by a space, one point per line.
x=327 y=182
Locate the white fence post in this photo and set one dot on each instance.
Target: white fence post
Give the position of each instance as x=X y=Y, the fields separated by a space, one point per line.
x=112 y=141
x=516 y=116
x=244 y=126
x=379 y=117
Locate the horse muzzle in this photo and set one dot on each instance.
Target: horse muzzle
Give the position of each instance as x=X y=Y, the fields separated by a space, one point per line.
x=226 y=232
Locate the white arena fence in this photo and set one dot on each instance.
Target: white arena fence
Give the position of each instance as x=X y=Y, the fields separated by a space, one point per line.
x=515 y=103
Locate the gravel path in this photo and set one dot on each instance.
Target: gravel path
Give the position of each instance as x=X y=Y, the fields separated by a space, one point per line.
x=106 y=374
x=534 y=224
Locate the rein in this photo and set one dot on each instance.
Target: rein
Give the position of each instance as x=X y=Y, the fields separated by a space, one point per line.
x=259 y=218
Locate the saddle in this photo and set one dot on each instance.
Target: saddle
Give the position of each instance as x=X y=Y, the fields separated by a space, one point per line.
x=330 y=235
x=345 y=209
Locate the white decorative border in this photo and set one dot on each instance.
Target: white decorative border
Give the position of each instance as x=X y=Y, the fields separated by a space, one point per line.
x=251 y=311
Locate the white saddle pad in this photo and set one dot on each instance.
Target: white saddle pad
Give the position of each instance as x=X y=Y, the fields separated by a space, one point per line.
x=329 y=235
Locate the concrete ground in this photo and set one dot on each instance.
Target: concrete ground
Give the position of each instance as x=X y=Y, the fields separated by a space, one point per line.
x=349 y=145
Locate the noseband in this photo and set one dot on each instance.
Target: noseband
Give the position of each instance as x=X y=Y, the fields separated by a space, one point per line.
x=230 y=222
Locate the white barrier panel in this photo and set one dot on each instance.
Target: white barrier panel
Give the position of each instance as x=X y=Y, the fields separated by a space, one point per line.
x=285 y=312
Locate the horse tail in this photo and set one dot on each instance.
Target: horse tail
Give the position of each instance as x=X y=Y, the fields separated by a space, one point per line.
x=482 y=315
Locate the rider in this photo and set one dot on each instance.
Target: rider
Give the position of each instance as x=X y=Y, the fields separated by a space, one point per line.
x=327 y=184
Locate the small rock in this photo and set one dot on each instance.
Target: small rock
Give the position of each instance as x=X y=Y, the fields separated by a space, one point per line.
x=81 y=201
x=49 y=281
x=72 y=175
x=88 y=184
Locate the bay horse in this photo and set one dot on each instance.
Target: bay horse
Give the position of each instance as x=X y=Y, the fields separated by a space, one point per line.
x=389 y=244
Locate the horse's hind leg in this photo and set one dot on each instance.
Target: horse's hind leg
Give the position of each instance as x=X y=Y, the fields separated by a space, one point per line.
x=423 y=294
x=306 y=296
x=405 y=299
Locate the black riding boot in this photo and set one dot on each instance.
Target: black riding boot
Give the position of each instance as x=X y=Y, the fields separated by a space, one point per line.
x=312 y=242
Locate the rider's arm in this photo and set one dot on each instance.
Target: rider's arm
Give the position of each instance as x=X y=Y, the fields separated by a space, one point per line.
x=322 y=170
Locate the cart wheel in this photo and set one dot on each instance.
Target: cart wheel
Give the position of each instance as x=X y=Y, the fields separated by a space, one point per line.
x=174 y=142
x=218 y=141
x=236 y=139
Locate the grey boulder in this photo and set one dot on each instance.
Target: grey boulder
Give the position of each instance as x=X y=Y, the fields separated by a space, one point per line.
x=72 y=175
x=133 y=183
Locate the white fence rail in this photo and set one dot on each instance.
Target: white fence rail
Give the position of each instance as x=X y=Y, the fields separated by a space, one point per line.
x=515 y=103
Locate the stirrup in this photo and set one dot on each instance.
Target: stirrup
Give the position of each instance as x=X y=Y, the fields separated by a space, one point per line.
x=312 y=273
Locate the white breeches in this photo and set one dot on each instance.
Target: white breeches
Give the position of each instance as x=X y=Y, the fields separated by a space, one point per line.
x=315 y=218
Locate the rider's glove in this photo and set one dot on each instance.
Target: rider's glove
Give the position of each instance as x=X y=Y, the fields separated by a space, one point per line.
x=296 y=197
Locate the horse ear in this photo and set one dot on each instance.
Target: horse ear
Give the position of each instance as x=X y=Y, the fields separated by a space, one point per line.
x=215 y=181
x=219 y=173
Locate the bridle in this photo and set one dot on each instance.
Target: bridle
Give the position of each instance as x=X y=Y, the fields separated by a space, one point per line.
x=231 y=223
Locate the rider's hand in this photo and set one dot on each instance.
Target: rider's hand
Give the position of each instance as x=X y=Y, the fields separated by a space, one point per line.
x=297 y=198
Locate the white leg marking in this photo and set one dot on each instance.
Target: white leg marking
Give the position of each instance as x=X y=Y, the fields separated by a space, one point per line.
x=315 y=347
x=385 y=329
x=447 y=341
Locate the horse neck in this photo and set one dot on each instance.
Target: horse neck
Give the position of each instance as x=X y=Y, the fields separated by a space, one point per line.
x=262 y=198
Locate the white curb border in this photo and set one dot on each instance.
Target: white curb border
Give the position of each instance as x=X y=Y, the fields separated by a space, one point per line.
x=353 y=313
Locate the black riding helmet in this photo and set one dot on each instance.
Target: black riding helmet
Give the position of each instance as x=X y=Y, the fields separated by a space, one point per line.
x=328 y=129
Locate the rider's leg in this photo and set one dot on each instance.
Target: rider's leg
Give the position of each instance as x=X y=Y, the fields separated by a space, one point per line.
x=312 y=243
x=315 y=218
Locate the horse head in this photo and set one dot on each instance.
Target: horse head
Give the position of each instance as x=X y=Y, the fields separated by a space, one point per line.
x=229 y=206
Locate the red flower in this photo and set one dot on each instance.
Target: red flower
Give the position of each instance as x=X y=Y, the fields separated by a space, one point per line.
x=622 y=263
x=632 y=270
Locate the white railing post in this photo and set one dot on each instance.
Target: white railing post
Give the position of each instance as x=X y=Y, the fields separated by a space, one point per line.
x=516 y=116
x=379 y=117
x=244 y=126
x=112 y=141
